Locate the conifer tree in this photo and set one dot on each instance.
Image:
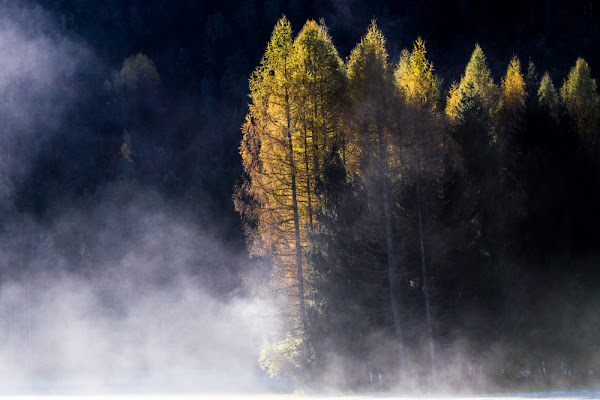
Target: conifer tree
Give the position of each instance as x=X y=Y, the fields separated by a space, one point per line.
x=415 y=78
x=512 y=95
x=581 y=98
x=548 y=97
x=372 y=106
x=419 y=89
x=477 y=77
x=320 y=79
x=510 y=121
x=268 y=199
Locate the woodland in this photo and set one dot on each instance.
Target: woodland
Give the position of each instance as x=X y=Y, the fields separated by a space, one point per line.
x=390 y=213
x=414 y=185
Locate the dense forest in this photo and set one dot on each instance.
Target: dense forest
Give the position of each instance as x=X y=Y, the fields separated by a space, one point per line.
x=445 y=226
x=417 y=181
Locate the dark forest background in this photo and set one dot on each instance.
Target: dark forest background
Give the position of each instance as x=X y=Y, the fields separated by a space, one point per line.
x=174 y=131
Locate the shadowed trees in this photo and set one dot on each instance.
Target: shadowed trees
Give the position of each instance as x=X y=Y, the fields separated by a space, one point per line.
x=393 y=219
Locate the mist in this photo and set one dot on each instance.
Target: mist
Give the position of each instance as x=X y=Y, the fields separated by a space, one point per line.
x=122 y=262
x=122 y=287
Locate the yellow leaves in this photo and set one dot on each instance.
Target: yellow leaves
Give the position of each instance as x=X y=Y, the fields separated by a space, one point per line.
x=513 y=86
x=369 y=59
x=126 y=152
x=453 y=101
x=414 y=76
x=579 y=95
x=292 y=117
x=477 y=77
x=548 y=97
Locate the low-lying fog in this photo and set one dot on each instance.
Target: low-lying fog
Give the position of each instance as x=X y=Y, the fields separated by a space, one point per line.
x=558 y=395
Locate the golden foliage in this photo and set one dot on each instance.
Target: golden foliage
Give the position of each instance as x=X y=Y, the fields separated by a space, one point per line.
x=513 y=87
x=579 y=95
x=548 y=97
x=478 y=76
x=414 y=76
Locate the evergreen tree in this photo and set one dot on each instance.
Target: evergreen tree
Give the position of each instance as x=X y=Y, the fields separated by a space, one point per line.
x=320 y=78
x=477 y=77
x=269 y=198
x=581 y=98
x=345 y=292
x=419 y=88
x=548 y=97
x=373 y=103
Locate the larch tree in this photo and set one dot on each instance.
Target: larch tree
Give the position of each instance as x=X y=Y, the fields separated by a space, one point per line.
x=478 y=76
x=373 y=102
x=512 y=97
x=548 y=97
x=510 y=124
x=419 y=89
x=581 y=99
x=472 y=131
x=268 y=198
x=320 y=79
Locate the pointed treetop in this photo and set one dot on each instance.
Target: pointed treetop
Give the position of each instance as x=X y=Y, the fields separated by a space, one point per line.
x=477 y=69
x=513 y=86
x=414 y=76
x=548 y=97
x=315 y=38
x=479 y=76
x=582 y=101
x=280 y=42
x=371 y=49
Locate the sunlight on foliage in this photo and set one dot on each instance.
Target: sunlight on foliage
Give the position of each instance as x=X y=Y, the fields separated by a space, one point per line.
x=581 y=98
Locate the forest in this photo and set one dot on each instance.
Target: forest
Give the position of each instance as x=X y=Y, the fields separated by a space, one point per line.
x=413 y=185
x=435 y=223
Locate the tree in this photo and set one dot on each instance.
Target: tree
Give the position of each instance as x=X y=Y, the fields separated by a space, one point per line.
x=512 y=97
x=477 y=75
x=346 y=292
x=137 y=71
x=268 y=198
x=320 y=78
x=419 y=88
x=579 y=95
x=372 y=106
x=415 y=78
x=548 y=97
x=511 y=136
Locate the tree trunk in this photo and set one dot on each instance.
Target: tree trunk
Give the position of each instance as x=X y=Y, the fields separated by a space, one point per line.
x=424 y=265
x=392 y=263
x=307 y=162
x=301 y=308
x=426 y=292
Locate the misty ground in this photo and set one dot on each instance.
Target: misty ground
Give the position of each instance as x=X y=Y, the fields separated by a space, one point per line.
x=210 y=385
x=562 y=395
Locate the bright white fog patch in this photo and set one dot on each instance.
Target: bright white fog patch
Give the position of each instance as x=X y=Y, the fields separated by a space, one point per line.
x=62 y=336
x=561 y=395
x=128 y=296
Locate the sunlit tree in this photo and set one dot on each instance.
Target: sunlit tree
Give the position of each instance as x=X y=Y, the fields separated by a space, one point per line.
x=320 y=81
x=512 y=94
x=373 y=106
x=419 y=89
x=268 y=199
x=477 y=77
x=415 y=78
x=581 y=98
x=548 y=97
